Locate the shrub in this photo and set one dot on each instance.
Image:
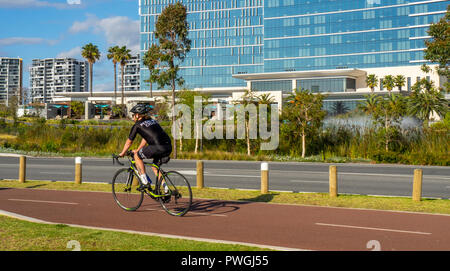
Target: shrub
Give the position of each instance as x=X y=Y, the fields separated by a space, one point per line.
x=385 y=157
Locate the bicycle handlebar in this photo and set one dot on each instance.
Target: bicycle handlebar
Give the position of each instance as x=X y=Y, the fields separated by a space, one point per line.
x=116 y=158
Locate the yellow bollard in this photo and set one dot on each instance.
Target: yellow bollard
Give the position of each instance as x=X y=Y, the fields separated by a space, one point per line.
x=200 y=181
x=264 y=178
x=417 y=185
x=78 y=171
x=135 y=181
x=333 y=182
x=22 y=168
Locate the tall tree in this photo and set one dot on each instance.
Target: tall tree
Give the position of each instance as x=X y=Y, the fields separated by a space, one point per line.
x=123 y=55
x=304 y=110
x=172 y=33
x=438 y=48
x=151 y=61
x=372 y=81
x=113 y=54
x=91 y=53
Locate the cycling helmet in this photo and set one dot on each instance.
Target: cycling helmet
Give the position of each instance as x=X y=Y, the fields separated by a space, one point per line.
x=140 y=109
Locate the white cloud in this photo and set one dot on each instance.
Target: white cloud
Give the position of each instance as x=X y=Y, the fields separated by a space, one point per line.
x=118 y=30
x=74 y=2
x=73 y=53
x=24 y=40
x=30 y=4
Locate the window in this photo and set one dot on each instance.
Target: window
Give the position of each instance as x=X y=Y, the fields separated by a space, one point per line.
x=283 y=85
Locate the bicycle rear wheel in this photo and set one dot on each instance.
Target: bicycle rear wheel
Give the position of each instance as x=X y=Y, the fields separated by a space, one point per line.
x=178 y=194
x=124 y=188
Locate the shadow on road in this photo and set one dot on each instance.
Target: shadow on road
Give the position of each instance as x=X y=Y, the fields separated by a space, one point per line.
x=262 y=198
x=215 y=206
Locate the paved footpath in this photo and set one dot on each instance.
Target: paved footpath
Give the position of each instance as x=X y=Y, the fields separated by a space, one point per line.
x=287 y=226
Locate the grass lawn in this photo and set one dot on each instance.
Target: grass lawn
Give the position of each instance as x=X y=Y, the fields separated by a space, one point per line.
x=18 y=235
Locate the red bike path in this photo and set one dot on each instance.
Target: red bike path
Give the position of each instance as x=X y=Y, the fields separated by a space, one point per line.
x=286 y=226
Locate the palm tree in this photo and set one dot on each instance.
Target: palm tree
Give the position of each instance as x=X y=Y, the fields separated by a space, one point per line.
x=91 y=53
x=372 y=81
x=425 y=100
x=265 y=99
x=123 y=55
x=370 y=105
x=114 y=56
x=388 y=82
x=399 y=81
x=339 y=108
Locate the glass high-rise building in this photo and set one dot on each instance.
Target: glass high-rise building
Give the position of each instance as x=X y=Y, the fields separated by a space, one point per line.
x=278 y=45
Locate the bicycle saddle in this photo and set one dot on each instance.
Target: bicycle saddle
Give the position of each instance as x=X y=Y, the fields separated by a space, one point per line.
x=161 y=160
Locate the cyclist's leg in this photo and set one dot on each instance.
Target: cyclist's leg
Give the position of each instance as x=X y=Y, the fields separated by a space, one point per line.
x=139 y=163
x=161 y=154
x=144 y=153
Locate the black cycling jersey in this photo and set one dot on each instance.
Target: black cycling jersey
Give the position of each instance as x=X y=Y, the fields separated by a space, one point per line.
x=152 y=132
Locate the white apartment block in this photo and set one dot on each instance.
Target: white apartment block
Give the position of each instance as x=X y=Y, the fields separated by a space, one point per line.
x=10 y=78
x=131 y=75
x=51 y=76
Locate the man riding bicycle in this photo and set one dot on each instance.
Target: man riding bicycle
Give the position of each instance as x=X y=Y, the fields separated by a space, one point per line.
x=155 y=142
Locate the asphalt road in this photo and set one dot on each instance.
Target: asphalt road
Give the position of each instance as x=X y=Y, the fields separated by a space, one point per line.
x=366 y=179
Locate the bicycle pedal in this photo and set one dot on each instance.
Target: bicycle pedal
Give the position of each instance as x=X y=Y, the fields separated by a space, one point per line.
x=142 y=188
x=166 y=199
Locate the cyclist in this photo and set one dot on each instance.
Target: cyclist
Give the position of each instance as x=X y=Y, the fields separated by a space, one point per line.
x=155 y=141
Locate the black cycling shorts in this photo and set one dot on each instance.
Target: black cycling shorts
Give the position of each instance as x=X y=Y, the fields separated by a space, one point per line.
x=154 y=152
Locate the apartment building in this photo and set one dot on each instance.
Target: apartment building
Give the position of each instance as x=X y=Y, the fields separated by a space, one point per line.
x=51 y=76
x=131 y=74
x=11 y=74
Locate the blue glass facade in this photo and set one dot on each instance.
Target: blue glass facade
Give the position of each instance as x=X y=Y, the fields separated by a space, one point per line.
x=255 y=36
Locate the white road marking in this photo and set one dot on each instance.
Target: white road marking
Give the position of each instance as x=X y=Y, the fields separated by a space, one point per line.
x=374 y=229
x=188 y=172
x=45 y=201
x=227 y=175
x=193 y=172
x=300 y=181
x=59 y=173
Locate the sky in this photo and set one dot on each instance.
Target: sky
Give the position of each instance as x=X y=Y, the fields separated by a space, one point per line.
x=37 y=29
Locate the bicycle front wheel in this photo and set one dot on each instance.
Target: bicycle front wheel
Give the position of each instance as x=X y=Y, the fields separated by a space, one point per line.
x=177 y=199
x=124 y=188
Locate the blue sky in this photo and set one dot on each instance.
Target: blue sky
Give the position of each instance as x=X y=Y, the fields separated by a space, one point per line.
x=33 y=29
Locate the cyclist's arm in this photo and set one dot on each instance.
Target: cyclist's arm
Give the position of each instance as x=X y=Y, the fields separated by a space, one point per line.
x=143 y=143
x=127 y=145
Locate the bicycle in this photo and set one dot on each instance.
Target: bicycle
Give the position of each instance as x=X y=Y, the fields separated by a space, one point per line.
x=175 y=197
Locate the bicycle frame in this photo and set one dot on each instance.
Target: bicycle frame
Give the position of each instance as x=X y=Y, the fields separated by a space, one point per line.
x=160 y=174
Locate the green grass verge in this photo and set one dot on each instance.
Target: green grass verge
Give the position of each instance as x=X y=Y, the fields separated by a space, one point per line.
x=18 y=235
x=439 y=206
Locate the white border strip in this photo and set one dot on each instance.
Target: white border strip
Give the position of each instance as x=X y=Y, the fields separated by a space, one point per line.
x=374 y=229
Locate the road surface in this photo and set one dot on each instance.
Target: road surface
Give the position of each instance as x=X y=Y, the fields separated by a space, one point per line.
x=365 y=179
